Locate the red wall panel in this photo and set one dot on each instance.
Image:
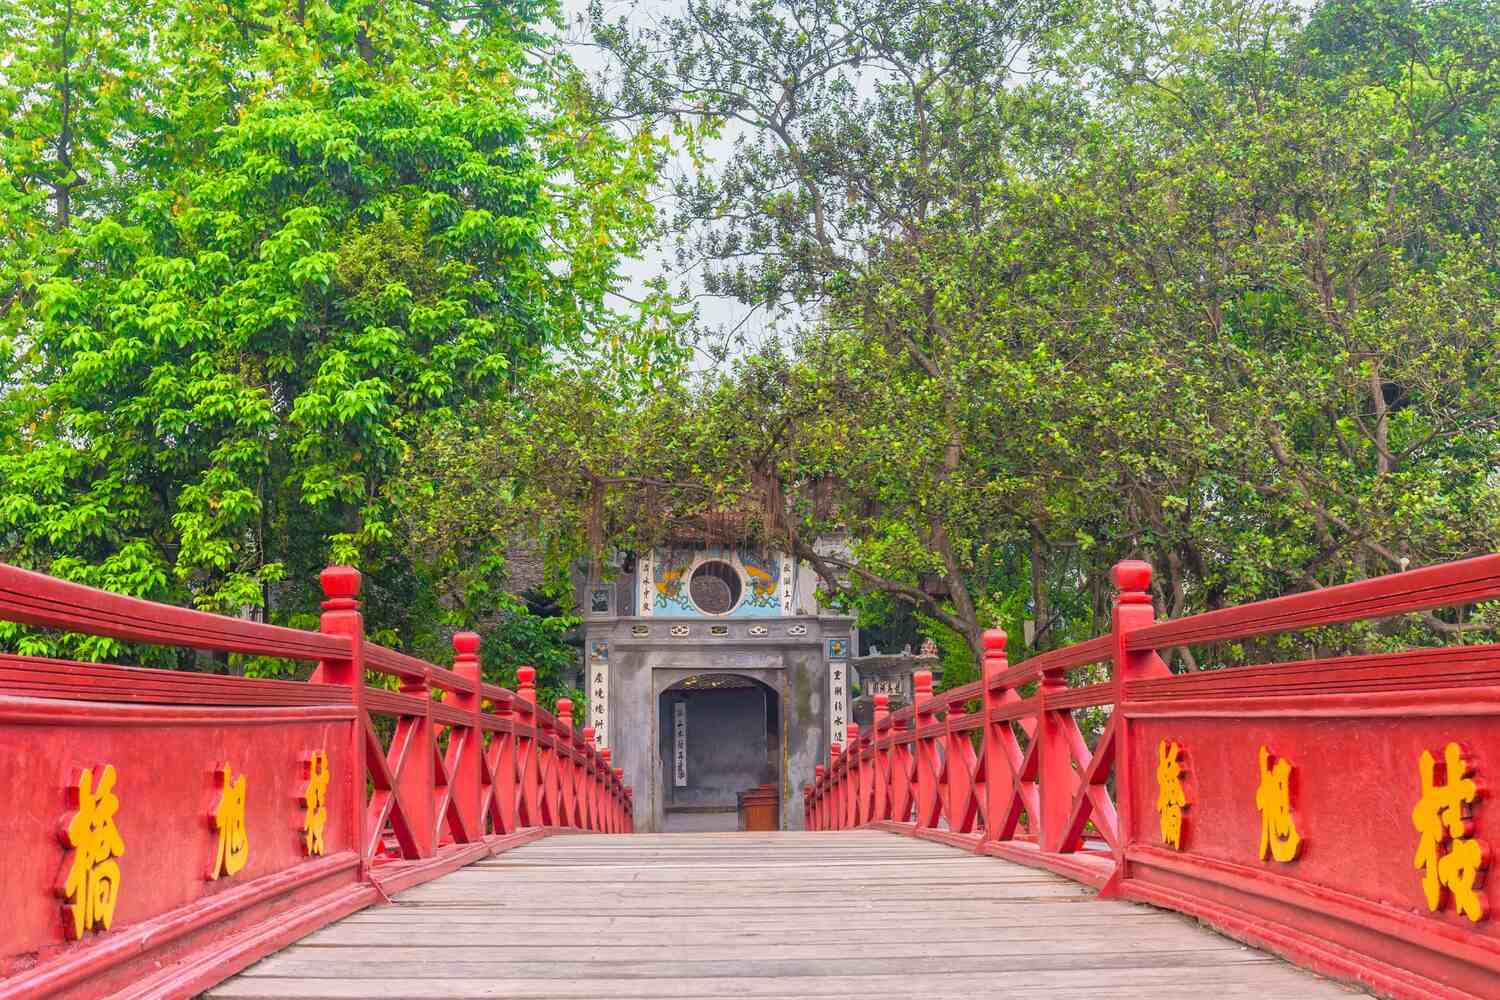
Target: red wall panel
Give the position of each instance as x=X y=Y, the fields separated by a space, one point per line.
x=165 y=764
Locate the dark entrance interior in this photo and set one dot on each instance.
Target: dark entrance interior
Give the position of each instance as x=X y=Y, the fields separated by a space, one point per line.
x=733 y=743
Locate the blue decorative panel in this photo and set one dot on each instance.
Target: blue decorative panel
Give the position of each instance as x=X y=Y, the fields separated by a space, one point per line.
x=744 y=584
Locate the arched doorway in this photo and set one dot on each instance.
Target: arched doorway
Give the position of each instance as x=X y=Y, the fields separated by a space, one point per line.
x=720 y=734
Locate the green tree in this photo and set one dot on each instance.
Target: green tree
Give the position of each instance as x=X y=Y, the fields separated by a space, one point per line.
x=335 y=225
x=1214 y=286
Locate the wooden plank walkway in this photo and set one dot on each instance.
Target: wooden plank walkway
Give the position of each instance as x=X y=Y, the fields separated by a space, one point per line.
x=789 y=915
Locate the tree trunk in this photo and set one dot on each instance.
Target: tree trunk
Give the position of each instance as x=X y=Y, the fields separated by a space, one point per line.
x=1041 y=606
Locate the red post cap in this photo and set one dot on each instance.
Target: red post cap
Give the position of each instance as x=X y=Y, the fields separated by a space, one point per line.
x=341 y=585
x=994 y=640
x=922 y=682
x=1132 y=580
x=466 y=643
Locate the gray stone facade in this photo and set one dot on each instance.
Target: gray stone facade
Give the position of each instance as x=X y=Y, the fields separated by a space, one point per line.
x=769 y=722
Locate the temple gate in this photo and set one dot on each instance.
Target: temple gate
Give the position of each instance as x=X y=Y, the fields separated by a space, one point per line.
x=711 y=670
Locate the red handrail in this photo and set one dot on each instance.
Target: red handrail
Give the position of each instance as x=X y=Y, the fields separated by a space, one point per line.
x=1288 y=804
x=320 y=796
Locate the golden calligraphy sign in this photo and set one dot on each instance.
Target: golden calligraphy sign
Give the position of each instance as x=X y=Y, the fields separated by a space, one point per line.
x=228 y=818
x=1171 y=796
x=93 y=880
x=315 y=802
x=1278 y=832
x=1443 y=813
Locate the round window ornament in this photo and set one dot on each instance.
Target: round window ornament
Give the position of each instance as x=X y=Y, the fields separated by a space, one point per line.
x=715 y=587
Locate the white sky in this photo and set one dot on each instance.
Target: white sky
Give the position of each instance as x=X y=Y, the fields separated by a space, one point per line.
x=716 y=313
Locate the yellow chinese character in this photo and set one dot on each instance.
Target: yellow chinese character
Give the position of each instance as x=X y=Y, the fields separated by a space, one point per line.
x=93 y=881
x=1278 y=834
x=315 y=802
x=229 y=819
x=1171 y=797
x=1441 y=813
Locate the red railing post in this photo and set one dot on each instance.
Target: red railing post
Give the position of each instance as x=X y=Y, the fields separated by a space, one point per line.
x=580 y=772
x=1001 y=758
x=831 y=787
x=563 y=764
x=417 y=749
x=583 y=776
x=846 y=781
x=465 y=769
x=604 y=793
x=835 y=786
x=571 y=771
x=865 y=785
x=881 y=807
x=1133 y=610
x=583 y=807
x=528 y=746
x=611 y=794
x=901 y=781
x=503 y=768
x=341 y=616
x=600 y=784
x=1057 y=780
x=588 y=797
x=855 y=782
x=867 y=772
x=929 y=803
x=600 y=806
x=551 y=763
x=820 y=795
x=546 y=757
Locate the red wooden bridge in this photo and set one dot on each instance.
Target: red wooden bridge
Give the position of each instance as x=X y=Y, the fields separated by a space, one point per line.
x=1063 y=823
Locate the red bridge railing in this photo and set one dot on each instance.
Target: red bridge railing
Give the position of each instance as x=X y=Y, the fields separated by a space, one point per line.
x=1334 y=810
x=163 y=829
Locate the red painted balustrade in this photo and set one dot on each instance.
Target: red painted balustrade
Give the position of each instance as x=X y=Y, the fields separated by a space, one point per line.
x=163 y=829
x=1335 y=811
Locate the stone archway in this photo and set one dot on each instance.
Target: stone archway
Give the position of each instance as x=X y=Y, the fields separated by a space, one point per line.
x=733 y=729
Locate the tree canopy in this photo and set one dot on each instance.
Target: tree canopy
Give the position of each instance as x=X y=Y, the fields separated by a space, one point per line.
x=255 y=251
x=1211 y=285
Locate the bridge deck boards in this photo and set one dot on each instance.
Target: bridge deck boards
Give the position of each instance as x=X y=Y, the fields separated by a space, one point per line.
x=792 y=915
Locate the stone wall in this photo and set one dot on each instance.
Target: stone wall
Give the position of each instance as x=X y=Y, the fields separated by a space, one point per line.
x=648 y=655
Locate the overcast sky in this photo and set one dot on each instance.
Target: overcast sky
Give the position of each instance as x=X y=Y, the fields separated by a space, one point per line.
x=715 y=312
